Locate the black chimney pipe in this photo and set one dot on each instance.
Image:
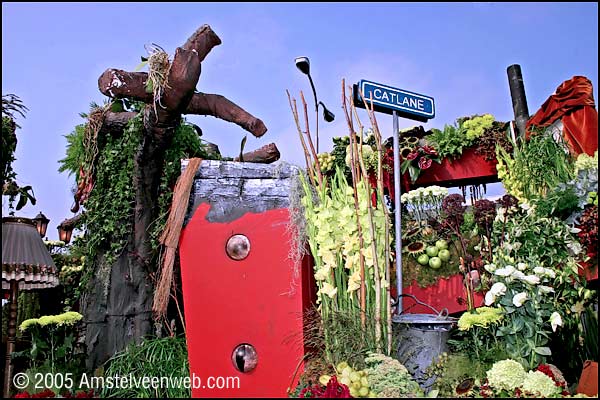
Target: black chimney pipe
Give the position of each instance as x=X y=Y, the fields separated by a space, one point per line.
x=517 y=94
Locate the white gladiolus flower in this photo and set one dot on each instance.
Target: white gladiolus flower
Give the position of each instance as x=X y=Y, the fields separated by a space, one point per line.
x=519 y=299
x=506 y=271
x=555 y=320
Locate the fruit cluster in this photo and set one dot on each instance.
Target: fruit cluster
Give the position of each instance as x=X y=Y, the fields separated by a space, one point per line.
x=433 y=256
x=356 y=381
x=326 y=162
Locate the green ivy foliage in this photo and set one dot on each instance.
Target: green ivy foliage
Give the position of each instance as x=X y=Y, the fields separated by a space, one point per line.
x=108 y=218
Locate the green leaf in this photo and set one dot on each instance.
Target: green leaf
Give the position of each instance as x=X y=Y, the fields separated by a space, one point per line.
x=141 y=65
x=149 y=86
x=544 y=351
x=414 y=172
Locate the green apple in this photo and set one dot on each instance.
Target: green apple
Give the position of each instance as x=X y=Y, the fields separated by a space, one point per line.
x=435 y=262
x=444 y=255
x=423 y=259
x=432 y=251
x=441 y=244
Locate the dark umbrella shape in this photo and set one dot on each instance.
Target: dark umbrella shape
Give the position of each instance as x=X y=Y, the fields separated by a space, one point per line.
x=26 y=265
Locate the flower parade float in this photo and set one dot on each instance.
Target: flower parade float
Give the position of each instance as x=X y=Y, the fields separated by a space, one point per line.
x=283 y=279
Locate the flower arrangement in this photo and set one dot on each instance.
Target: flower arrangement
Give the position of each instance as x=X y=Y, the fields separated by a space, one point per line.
x=535 y=280
x=425 y=202
x=418 y=160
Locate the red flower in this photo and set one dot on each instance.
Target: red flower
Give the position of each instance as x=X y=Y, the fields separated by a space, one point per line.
x=412 y=155
x=85 y=395
x=335 y=389
x=429 y=150
x=425 y=162
x=22 y=395
x=46 y=393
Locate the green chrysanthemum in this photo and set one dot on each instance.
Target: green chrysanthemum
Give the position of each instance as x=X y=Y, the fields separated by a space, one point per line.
x=482 y=316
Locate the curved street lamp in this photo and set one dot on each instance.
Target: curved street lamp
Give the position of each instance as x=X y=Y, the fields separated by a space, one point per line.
x=303 y=64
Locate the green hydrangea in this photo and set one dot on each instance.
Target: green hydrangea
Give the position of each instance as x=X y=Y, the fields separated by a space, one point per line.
x=540 y=384
x=585 y=161
x=506 y=375
x=475 y=127
x=482 y=316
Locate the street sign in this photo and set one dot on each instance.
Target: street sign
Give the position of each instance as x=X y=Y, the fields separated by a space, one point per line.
x=387 y=99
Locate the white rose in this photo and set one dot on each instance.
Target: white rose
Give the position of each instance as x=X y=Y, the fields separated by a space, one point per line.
x=498 y=289
x=531 y=279
x=489 y=298
x=539 y=270
x=521 y=266
x=489 y=268
x=506 y=271
x=519 y=299
x=546 y=289
x=549 y=273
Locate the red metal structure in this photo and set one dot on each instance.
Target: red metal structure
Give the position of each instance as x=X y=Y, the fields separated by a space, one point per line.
x=256 y=298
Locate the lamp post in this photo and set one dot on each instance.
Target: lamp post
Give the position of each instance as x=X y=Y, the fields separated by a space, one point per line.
x=26 y=265
x=303 y=64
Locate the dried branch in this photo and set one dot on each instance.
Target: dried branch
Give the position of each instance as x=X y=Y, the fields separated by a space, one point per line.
x=363 y=291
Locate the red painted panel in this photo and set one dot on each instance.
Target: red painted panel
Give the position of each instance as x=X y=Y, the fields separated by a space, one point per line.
x=470 y=168
x=253 y=301
x=444 y=294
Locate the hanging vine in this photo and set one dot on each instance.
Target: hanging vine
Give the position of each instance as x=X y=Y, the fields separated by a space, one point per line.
x=108 y=218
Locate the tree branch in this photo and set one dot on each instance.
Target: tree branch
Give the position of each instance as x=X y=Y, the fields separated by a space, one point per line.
x=116 y=83
x=202 y=41
x=264 y=155
x=115 y=122
x=220 y=107
x=183 y=77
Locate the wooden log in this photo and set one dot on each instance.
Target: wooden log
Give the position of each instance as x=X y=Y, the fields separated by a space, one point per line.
x=202 y=41
x=220 y=107
x=116 y=83
x=264 y=155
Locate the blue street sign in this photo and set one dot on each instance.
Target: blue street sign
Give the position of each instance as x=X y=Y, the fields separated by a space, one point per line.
x=388 y=99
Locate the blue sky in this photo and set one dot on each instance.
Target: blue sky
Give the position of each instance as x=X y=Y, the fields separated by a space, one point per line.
x=53 y=54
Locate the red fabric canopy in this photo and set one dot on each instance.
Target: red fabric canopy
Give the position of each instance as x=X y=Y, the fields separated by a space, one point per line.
x=573 y=101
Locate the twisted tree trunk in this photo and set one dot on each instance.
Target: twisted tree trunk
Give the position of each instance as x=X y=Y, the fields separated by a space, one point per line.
x=123 y=312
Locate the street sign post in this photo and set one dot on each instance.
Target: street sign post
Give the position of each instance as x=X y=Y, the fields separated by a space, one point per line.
x=398 y=102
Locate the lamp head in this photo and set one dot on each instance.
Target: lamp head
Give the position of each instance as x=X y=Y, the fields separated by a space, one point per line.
x=303 y=64
x=327 y=115
x=41 y=223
